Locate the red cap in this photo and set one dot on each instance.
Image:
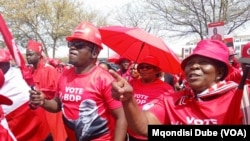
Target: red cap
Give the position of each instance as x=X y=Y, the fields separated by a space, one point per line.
x=35 y=46
x=5 y=100
x=4 y=55
x=245 y=53
x=150 y=60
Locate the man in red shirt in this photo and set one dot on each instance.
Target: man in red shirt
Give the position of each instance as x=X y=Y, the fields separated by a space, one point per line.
x=216 y=35
x=86 y=84
x=45 y=77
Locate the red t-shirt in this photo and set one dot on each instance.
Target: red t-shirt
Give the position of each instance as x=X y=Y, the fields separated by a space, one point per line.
x=144 y=93
x=216 y=37
x=125 y=75
x=88 y=95
x=45 y=78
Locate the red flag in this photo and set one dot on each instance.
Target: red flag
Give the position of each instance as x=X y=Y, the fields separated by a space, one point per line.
x=14 y=51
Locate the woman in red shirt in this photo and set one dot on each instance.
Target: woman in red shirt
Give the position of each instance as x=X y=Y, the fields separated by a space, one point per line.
x=205 y=70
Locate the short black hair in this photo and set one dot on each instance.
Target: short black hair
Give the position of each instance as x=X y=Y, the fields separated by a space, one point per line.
x=106 y=63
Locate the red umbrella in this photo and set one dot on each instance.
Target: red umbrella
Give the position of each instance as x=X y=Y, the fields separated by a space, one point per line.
x=135 y=43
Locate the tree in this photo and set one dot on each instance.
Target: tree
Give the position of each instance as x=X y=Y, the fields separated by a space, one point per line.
x=47 y=21
x=135 y=15
x=191 y=17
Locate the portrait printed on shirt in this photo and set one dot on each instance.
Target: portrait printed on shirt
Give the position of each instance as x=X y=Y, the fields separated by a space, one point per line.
x=89 y=125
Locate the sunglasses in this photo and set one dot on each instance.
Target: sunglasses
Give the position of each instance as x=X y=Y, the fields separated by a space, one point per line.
x=132 y=69
x=145 y=67
x=80 y=44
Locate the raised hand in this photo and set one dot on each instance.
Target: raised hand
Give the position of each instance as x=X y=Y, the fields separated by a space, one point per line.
x=121 y=89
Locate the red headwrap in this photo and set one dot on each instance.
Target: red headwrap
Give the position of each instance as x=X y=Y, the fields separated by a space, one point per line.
x=35 y=46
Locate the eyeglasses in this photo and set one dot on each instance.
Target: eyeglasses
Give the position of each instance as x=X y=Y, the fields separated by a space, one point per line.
x=80 y=44
x=145 y=67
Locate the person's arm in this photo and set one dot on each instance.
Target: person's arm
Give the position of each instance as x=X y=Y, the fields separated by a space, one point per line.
x=136 y=118
x=37 y=98
x=120 y=124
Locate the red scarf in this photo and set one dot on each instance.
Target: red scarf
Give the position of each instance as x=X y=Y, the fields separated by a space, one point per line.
x=217 y=89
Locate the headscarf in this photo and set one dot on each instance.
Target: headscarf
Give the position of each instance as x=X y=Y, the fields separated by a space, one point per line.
x=35 y=46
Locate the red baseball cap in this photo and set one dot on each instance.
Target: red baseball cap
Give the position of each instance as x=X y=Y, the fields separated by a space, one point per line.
x=5 y=100
x=35 y=46
x=245 y=54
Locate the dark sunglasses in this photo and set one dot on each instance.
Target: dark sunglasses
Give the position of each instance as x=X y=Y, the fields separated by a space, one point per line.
x=80 y=44
x=132 y=69
x=145 y=67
